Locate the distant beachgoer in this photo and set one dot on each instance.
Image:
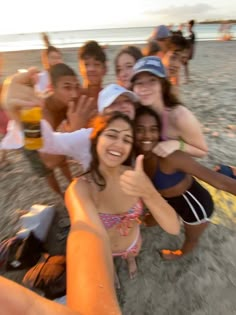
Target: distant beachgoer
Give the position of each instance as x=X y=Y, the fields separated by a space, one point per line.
x=172 y=177
x=172 y=60
x=180 y=29
x=180 y=128
x=124 y=62
x=191 y=49
x=151 y=49
x=225 y=31
x=50 y=57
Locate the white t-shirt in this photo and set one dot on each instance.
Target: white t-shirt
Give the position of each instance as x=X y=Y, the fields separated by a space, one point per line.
x=73 y=144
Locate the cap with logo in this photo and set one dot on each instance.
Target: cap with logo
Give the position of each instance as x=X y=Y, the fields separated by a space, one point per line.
x=110 y=93
x=149 y=64
x=160 y=32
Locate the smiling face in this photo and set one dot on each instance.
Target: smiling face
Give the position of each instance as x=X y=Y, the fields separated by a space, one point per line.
x=115 y=143
x=146 y=133
x=124 y=68
x=149 y=89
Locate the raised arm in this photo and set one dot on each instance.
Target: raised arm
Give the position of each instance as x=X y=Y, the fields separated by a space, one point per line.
x=136 y=183
x=90 y=283
x=184 y=162
x=18 y=91
x=17 y=300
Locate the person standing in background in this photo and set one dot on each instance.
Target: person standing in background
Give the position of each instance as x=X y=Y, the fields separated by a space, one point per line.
x=92 y=68
x=161 y=35
x=191 y=49
x=49 y=57
x=124 y=62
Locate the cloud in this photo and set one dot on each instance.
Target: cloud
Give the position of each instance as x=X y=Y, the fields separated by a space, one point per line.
x=199 y=11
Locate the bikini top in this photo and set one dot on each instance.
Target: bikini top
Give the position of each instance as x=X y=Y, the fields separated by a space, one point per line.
x=164 y=125
x=122 y=220
x=163 y=181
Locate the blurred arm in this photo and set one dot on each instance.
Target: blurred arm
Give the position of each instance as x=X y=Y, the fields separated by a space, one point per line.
x=90 y=282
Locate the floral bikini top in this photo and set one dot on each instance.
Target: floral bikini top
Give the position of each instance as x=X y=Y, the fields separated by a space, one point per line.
x=123 y=220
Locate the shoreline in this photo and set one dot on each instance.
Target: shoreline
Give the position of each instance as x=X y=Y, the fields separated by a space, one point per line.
x=115 y=43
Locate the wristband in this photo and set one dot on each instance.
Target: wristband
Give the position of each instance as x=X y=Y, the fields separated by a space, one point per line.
x=181 y=145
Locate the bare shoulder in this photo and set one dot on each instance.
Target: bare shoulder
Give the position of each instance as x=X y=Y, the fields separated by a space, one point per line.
x=181 y=114
x=81 y=184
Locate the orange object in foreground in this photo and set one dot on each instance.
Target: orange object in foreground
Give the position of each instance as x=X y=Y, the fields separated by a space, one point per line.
x=30 y=119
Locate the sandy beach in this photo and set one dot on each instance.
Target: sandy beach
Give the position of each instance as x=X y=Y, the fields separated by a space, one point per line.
x=204 y=283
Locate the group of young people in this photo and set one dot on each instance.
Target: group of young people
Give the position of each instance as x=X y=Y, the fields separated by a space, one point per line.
x=137 y=155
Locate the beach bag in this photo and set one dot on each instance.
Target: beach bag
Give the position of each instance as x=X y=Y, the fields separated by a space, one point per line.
x=48 y=276
x=38 y=220
x=17 y=253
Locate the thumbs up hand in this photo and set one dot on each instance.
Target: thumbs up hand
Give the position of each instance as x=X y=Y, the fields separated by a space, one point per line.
x=135 y=182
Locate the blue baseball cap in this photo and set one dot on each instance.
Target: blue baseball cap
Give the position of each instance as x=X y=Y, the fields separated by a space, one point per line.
x=149 y=64
x=160 y=32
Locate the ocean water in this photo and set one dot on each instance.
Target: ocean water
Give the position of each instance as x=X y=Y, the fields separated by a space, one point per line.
x=112 y=36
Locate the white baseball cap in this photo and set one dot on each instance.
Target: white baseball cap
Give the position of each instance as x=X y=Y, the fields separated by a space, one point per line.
x=110 y=93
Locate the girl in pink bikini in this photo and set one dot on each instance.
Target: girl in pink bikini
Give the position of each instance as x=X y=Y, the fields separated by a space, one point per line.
x=99 y=189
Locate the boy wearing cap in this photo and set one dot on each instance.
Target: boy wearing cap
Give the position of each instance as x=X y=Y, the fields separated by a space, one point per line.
x=161 y=35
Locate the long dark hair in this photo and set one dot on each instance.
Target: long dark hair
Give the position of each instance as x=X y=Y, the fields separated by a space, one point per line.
x=99 y=123
x=169 y=98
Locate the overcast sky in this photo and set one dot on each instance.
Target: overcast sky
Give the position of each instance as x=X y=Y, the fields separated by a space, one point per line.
x=25 y=16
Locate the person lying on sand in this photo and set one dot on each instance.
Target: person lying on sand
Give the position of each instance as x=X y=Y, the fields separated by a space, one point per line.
x=226 y=170
x=173 y=178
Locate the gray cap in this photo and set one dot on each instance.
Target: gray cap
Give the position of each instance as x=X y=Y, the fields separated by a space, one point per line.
x=160 y=32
